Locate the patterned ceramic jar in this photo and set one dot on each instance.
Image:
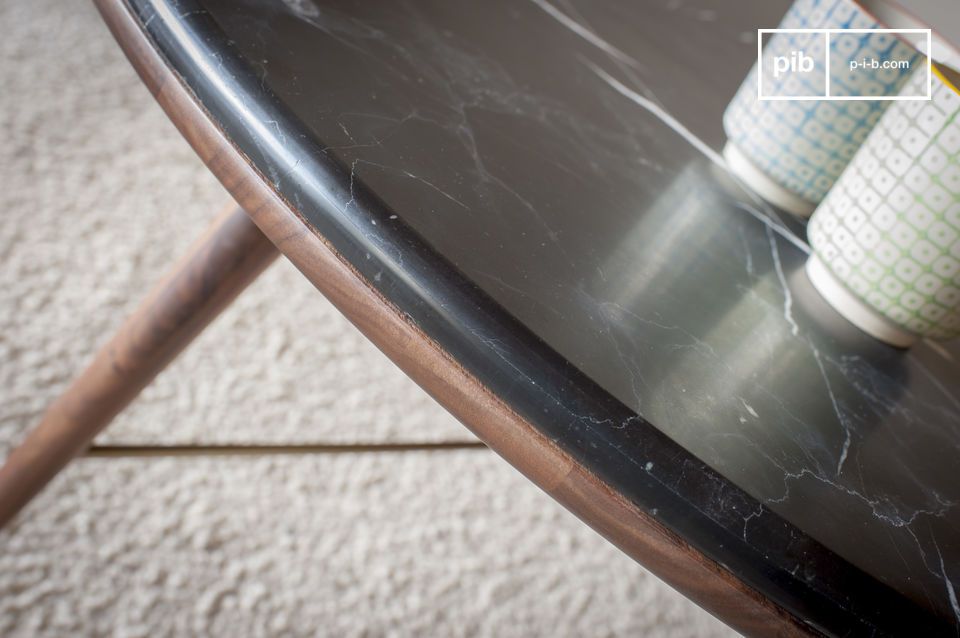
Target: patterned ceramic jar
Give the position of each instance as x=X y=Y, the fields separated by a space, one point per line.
x=792 y=151
x=886 y=240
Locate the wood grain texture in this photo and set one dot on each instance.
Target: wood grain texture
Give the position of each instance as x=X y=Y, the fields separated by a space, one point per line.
x=519 y=442
x=224 y=261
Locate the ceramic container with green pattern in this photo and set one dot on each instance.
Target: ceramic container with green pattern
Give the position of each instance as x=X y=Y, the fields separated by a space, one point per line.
x=886 y=240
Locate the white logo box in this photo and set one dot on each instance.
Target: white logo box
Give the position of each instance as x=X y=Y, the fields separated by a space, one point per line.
x=826 y=96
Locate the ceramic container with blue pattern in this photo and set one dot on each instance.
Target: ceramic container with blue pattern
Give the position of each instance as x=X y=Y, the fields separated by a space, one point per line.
x=792 y=151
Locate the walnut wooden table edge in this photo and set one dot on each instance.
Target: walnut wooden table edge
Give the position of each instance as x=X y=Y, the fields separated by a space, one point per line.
x=635 y=532
x=234 y=253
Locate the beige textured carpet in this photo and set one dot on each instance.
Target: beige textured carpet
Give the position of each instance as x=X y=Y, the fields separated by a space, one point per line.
x=98 y=194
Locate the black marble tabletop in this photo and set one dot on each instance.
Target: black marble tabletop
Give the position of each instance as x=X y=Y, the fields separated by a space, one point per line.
x=536 y=183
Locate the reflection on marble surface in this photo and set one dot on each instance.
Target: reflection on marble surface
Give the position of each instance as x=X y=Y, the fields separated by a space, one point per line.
x=562 y=156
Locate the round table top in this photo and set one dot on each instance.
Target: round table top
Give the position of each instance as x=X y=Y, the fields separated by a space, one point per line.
x=536 y=187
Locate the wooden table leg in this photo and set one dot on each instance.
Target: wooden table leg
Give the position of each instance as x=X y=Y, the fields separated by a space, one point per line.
x=229 y=256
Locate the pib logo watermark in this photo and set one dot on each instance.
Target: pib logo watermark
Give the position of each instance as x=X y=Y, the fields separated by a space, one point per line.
x=796 y=62
x=840 y=64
